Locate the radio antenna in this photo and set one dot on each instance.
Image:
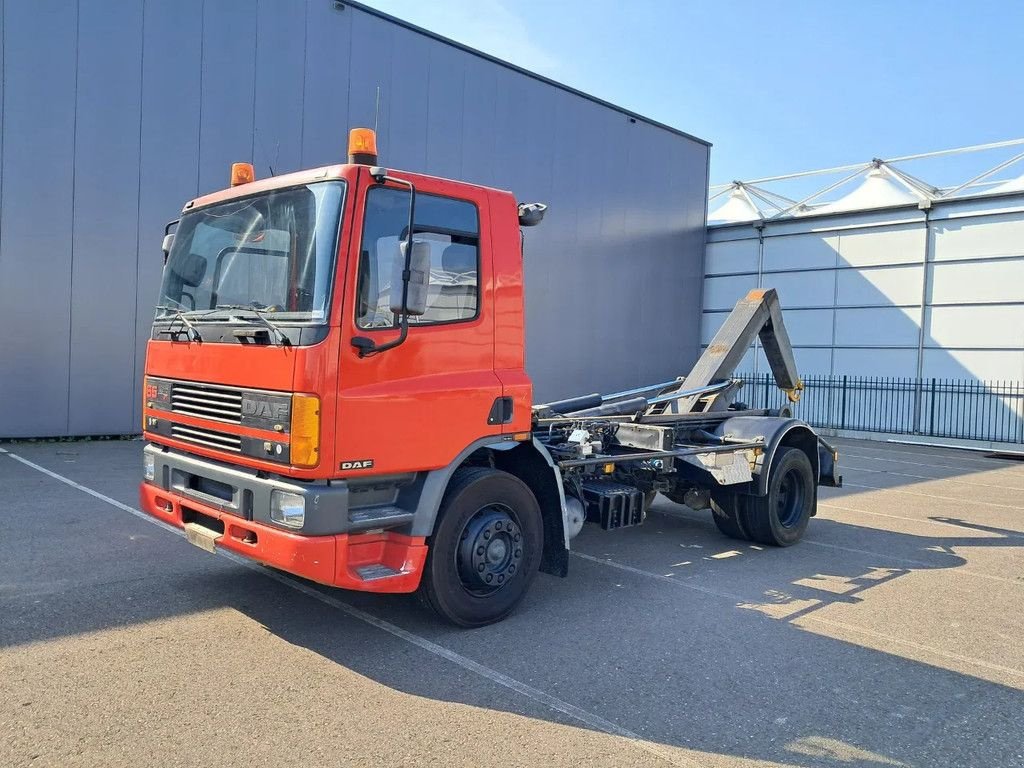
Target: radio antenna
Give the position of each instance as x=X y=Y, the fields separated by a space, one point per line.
x=376 y=110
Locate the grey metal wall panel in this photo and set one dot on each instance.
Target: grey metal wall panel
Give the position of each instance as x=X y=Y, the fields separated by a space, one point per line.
x=229 y=57
x=370 y=55
x=325 y=121
x=169 y=156
x=445 y=110
x=406 y=122
x=36 y=221
x=2 y=27
x=280 y=67
x=170 y=92
x=479 y=99
x=103 y=284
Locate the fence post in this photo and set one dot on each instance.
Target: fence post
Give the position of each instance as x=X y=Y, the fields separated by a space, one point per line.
x=842 y=406
x=931 y=427
x=918 y=411
x=767 y=390
x=1016 y=400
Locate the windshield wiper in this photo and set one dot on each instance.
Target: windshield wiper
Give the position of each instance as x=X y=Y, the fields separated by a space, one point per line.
x=259 y=313
x=177 y=314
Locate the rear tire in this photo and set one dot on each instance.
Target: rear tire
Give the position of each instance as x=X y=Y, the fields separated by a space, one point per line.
x=780 y=517
x=727 y=512
x=485 y=550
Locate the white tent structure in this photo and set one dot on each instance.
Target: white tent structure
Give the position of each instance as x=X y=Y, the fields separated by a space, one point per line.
x=737 y=207
x=880 y=188
x=1013 y=185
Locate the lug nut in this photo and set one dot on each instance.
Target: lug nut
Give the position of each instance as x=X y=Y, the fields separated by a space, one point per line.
x=480 y=567
x=519 y=553
x=517 y=537
x=512 y=568
x=490 y=578
x=487 y=534
x=501 y=579
x=480 y=550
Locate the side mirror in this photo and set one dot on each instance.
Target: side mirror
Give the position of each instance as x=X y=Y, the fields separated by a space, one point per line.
x=531 y=214
x=418 y=279
x=167 y=244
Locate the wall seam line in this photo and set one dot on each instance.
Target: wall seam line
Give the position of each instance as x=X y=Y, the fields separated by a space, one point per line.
x=255 y=77
x=138 y=221
x=202 y=94
x=305 y=75
x=71 y=250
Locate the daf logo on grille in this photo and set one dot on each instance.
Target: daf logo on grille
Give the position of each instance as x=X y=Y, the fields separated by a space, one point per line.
x=264 y=410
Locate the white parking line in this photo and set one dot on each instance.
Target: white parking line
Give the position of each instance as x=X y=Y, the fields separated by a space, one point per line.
x=959 y=467
x=917 y=520
x=954 y=479
x=1014 y=507
x=589 y=719
x=994 y=463
x=808 y=617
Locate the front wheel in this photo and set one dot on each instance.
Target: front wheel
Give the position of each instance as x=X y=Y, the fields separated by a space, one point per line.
x=780 y=517
x=486 y=548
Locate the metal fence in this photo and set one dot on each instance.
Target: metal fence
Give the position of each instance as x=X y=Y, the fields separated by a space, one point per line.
x=952 y=408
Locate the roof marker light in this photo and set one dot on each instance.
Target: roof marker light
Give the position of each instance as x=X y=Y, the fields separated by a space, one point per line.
x=242 y=173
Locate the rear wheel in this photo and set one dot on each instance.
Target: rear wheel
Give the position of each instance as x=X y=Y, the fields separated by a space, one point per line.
x=727 y=512
x=780 y=517
x=485 y=550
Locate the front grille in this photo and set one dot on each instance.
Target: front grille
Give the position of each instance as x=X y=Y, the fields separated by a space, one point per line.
x=208 y=437
x=207 y=402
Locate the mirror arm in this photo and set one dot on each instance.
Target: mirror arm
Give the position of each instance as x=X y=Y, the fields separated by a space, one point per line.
x=368 y=346
x=364 y=344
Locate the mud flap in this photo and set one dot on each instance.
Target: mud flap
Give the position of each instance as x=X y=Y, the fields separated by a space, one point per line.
x=828 y=461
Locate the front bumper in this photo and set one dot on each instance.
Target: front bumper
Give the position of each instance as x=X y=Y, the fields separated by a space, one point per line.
x=245 y=493
x=326 y=550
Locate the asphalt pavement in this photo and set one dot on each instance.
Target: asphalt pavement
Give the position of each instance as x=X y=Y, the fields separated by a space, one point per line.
x=893 y=635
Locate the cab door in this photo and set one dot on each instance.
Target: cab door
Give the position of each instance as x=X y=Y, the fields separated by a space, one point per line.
x=416 y=406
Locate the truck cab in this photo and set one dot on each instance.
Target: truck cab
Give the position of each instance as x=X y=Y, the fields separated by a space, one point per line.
x=335 y=386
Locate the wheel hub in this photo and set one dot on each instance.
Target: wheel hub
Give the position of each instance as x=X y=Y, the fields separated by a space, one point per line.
x=490 y=549
x=790 y=500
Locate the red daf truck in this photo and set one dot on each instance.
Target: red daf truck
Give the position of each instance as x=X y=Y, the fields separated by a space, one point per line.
x=335 y=387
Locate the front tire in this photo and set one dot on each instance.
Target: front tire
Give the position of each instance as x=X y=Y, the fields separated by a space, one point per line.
x=485 y=550
x=780 y=517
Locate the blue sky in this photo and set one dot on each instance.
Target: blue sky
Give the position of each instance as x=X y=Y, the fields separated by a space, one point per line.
x=775 y=87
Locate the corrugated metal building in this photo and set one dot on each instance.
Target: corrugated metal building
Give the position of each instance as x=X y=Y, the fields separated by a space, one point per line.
x=116 y=112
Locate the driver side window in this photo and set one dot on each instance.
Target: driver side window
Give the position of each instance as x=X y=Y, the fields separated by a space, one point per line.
x=451 y=229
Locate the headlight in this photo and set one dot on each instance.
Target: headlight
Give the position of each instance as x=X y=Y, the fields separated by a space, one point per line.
x=287 y=509
x=148 y=466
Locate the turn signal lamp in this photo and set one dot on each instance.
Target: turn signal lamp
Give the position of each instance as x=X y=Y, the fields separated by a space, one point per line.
x=305 y=431
x=242 y=173
x=362 y=146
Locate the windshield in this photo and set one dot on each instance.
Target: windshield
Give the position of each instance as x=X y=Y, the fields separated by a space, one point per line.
x=273 y=252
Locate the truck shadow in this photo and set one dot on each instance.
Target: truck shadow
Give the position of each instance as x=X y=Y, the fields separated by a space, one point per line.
x=701 y=670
